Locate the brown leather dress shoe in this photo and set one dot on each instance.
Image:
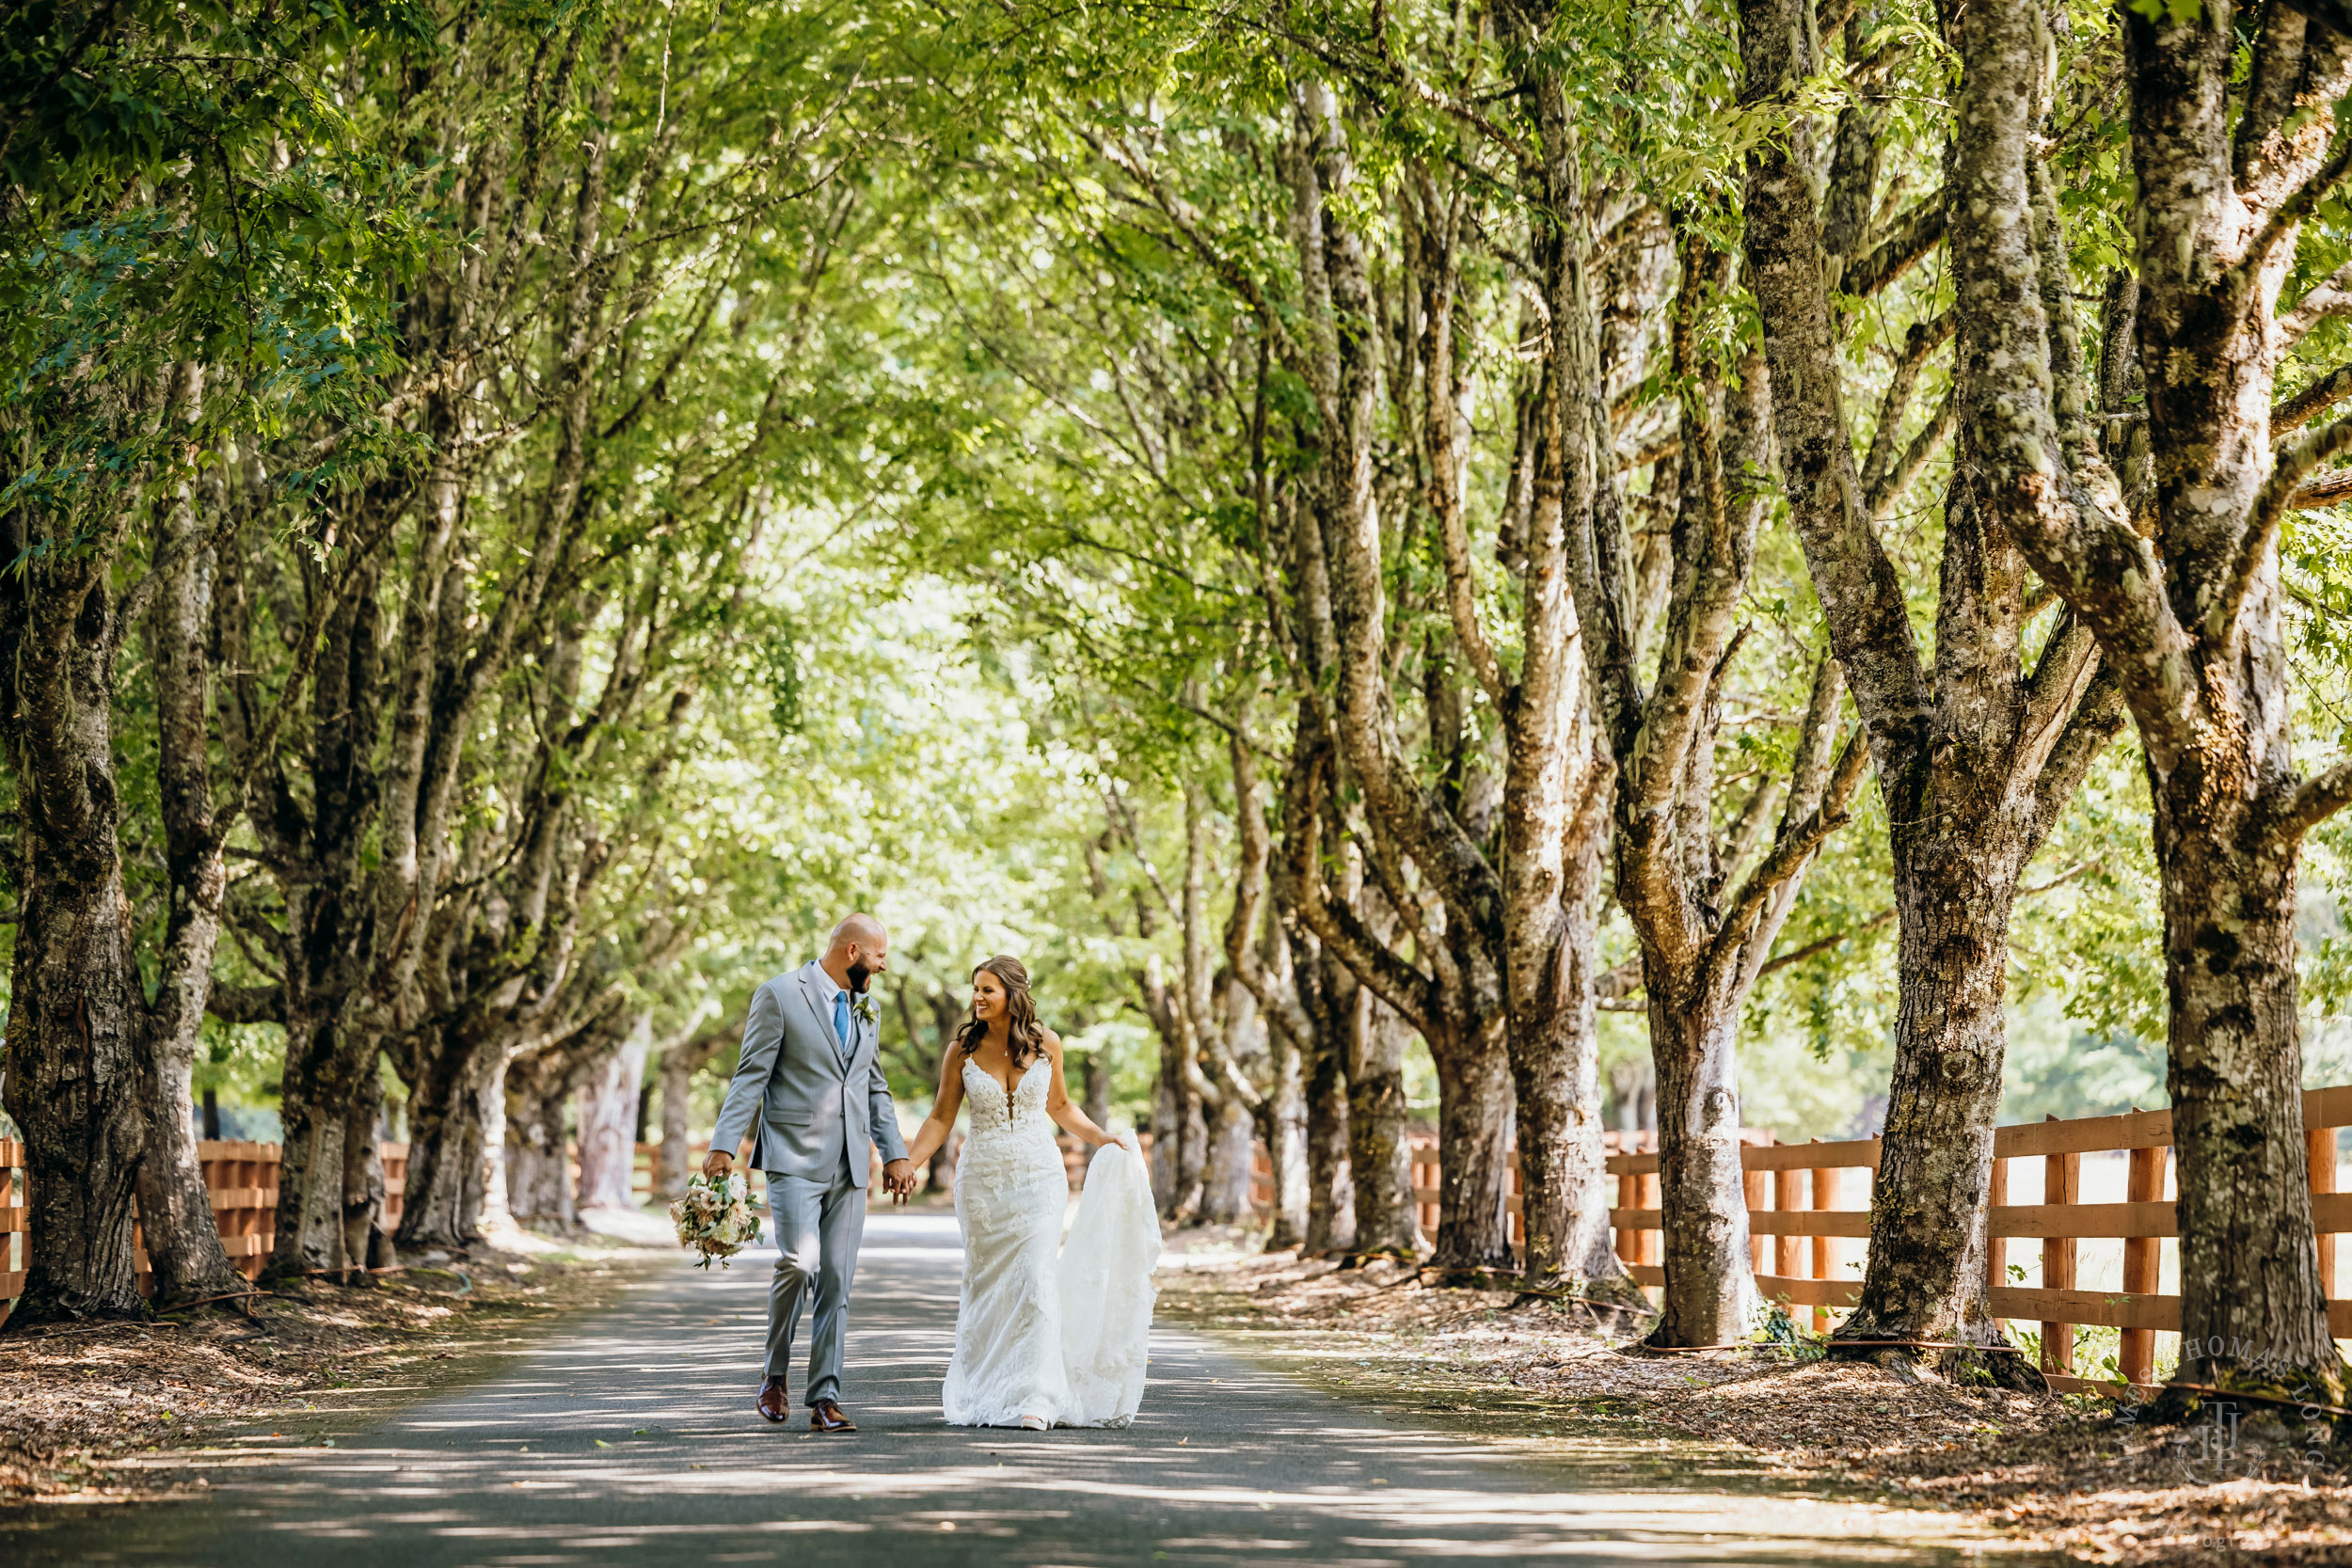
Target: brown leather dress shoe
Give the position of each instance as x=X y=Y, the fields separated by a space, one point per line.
x=775 y=1398
x=825 y=1416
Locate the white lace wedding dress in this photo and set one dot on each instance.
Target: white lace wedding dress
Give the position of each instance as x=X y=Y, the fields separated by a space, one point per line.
x=1047 y=1329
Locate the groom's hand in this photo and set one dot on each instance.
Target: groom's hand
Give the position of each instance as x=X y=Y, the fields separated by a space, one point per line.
x=898 y=1176
x=717 y=1163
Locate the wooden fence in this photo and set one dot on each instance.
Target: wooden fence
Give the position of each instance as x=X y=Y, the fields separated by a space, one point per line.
x=242 y=1180
x=239 y=1178
x=1802 y=1213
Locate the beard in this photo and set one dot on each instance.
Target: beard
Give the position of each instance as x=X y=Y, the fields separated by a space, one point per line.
x=859 y=976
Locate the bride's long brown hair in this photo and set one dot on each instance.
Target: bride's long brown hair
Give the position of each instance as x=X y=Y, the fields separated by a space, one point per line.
x=1023 y=1036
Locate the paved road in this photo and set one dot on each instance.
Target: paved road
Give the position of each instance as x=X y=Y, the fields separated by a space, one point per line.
x=630 y=1438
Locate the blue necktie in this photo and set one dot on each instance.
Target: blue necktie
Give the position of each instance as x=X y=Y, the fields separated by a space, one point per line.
x=841 y=1021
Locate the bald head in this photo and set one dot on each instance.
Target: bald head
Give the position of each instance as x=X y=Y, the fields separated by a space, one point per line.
x=858 y=950
x=862 y=930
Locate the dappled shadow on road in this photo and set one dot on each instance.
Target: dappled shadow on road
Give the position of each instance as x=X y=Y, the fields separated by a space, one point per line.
x=632 y=1439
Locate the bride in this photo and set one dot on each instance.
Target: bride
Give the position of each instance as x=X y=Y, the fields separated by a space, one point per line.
x=1046 y=1335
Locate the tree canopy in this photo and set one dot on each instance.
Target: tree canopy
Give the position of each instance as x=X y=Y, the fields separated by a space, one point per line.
x=1525 y=570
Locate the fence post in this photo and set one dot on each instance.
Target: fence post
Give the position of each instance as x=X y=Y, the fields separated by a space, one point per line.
x=1653 y=1243
x=2061 y=1183
x=2319 y=1145
x=2142 y=1263
x=1996 y=1248
x=1789 y=1250
x=1628 y=1240
x=1757 y=1187
x=1825 y=1256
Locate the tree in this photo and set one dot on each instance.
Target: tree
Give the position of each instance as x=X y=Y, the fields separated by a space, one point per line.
x=1978 y=748
x=173 y=286
x=2180 y=583
x=1706 y=909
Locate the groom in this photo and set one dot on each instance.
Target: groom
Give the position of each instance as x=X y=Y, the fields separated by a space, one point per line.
x=810 y=1089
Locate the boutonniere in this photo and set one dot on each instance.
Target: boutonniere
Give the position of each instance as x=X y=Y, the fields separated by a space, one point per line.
x=862 y=1007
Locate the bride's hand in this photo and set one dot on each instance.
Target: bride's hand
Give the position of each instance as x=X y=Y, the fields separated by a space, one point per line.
x=1128 y=1141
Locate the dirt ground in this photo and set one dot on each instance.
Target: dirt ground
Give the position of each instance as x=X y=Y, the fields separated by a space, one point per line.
x=2079 y=1475
x=92 y=1411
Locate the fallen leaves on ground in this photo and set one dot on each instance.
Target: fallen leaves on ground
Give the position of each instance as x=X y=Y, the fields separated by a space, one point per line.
x=87 y=1411
x=2072 y=1475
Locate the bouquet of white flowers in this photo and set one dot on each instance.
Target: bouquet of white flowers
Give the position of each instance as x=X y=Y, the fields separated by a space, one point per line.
x=716 y=1218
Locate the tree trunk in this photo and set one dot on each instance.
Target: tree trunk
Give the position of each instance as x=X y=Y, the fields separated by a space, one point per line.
x=1379 y=1158
x=498 y=1212
x=366 y=1245
x=1979 y=752
x=447 y=1149
x=607 y=1122
x=1953 y=892
x=1283 y=1126
x=1192 y=1156
x=538 y=1185
x=1710 y=1295
x=673 y=1161
x=1330 y=1177
x=183 y=1248
x=1238 y=1069
x=538 y=1092
x=1225 y=1178
x=1474 y=1102
x=1633 y=1086
x=1095 y=1092
x=322 y=1075
x=1555 y=1071
x=176 y=1224
x=1165 y=1137
x=72 y=1030
x=2253 y=1308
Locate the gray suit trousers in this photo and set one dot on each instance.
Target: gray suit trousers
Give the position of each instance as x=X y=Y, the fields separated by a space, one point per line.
x=818 y=1226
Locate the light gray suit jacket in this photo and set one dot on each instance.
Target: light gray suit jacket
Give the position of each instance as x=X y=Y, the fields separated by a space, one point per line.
x=807 y=1108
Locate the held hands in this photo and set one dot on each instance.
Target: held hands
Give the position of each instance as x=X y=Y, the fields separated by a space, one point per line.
x=898 y=1176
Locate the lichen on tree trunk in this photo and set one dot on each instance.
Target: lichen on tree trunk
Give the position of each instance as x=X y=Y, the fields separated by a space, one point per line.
x=1925 y=1277
x=2253 y=1308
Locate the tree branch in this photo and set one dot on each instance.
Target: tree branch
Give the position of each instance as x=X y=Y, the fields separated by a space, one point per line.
x=1917 y=233
x=2317 y=799
x=2291 y=414
x=1923 y=339
x=2279 y=496
x=1816 y=948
